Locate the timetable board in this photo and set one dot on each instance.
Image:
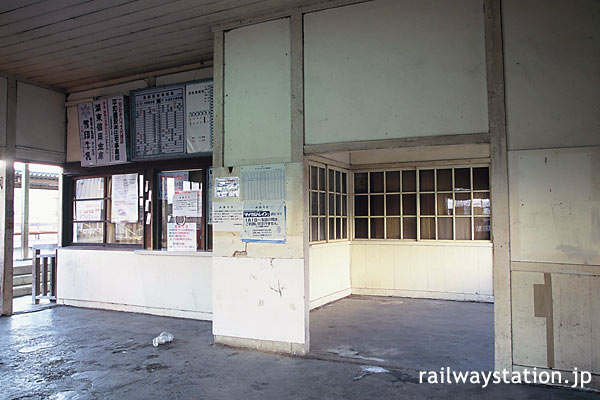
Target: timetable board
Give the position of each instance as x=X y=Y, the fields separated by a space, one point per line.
x=159 y=119
x=199 y=117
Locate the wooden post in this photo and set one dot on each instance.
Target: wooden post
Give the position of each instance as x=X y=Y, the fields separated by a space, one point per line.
x=44 y=276
x=25 y=213
x=53 y=276
x=7 y=193
x=219 y=99
x=499 y=174
x=35 y=277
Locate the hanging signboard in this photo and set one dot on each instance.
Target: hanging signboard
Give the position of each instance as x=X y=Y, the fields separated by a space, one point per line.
x=103 y=129
x=199 y=117
x=264 y=221
x=172 y=121
x=181 y=237
x=125 y=198
x=87 y=138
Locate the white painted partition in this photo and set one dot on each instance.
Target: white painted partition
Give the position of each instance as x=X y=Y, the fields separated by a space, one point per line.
x=436 y=270
x=329 y=272
x=160 y=283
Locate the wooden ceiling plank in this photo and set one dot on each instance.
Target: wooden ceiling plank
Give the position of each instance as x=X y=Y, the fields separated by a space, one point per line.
x=150 y=11
x=127 y=54
x=6 y=6
x=125 y=37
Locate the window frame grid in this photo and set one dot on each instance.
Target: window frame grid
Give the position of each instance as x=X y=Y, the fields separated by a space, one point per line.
x=327 y=216
x=472 y=191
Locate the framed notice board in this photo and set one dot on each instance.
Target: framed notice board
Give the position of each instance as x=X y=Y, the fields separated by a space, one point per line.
x=172 y=121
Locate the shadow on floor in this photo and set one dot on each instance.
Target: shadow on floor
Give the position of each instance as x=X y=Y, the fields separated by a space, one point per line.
x=410 y=333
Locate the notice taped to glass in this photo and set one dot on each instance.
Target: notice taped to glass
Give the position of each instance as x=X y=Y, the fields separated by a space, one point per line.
x=264 y=222
x=181 y=237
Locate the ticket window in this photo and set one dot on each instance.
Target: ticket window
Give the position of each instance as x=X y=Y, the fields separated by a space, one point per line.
x=182 y=210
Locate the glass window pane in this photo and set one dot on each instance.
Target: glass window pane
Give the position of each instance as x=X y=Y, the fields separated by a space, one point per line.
x=409 y=204
x=426 y=180
x=377 y=205
x=322 y=228
x=361 y=228
x=90 y=188
x=344 y=182
x=481 y=203
x=331 y=180
x=344 y=228
x=392 y=227
x=427 y=204
x=88 y=232
x=338 y=183
x=124 y=233
x=314 y=178
x=427 y=228
x=444 y=204
x=392 y=204
x=463 y=228
x=361 y=205
x=482 y=229
x=344 y=205
x=377 y=228
x=338 y=205
x=392 y=181
x=481 y=178
x=376 y=182
x=314 y=229
x=314 y=203
x=409 y=228
x=321 y=178
x=463 y=203
x=409 y=181
x=331 y=228
x=444 y=180
x=331 y=204
x=88 y=210
x=462 y=179
x=338 y=228
x=322 y=204
x=360 y=183
x=444 y=228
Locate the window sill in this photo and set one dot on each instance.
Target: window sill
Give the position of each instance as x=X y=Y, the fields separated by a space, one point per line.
x=411 y=242
x=174 y=253
x=98 y=247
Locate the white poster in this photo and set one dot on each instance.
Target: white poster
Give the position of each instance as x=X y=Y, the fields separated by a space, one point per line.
x=87 y=137
x=264 y=221
x=116 y=113
x=209 y=197
x=101 y=130
x=228 y=216
x=199 y=117
x=125 y=198
x=181 y=237
x=227 y=187
x=263 y=182
x=187 y=204
x=88 y=210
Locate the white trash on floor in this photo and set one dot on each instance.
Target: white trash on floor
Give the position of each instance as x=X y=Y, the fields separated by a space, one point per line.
x=164 y=337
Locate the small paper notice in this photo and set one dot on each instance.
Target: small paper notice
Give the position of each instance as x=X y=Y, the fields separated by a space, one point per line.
x=187 y=204
x=181 y=237
x=227 y=187
x=228 y=216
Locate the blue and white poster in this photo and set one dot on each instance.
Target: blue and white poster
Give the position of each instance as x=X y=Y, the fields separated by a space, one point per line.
x=264 y=222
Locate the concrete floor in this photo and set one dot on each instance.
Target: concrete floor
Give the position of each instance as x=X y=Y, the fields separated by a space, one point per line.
x=70 y=353
x=408 y=333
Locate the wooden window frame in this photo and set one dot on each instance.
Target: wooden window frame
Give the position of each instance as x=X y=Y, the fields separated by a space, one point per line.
x=327 y=216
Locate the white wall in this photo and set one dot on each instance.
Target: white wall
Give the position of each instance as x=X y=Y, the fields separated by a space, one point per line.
x=394 y=69
x=329 y=272
x=552 y=65
x=142 y=281
x=257 y=94
x=41 y=124
x=553 y=125
x=437 y=270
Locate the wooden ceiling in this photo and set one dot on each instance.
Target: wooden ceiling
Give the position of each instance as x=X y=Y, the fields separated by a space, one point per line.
x=71 y=43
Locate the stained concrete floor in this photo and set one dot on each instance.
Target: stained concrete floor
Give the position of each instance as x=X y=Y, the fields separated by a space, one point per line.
x=71 y=353
x=402 y=332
